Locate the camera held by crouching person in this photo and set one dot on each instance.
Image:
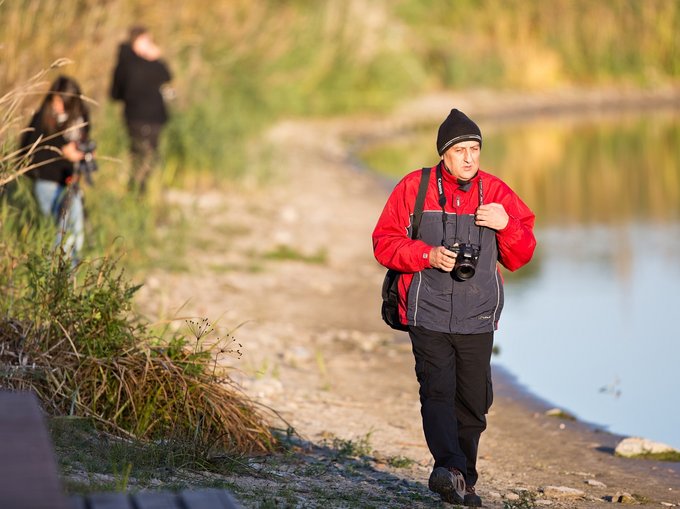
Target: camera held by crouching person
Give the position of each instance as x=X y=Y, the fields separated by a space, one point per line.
x=87 y=165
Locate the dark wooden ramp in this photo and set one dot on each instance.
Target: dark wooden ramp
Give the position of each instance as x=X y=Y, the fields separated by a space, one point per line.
x=29 y=477
x=199 y=499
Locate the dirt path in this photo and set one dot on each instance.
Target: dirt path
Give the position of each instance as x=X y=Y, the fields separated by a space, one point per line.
x=316 y=350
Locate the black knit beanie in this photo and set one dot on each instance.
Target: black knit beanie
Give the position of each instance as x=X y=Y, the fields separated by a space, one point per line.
x=457 y=127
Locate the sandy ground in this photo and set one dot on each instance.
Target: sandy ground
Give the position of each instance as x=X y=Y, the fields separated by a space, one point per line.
x=316 y=350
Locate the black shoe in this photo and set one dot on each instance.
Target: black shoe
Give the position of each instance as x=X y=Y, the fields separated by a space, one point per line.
x=471 y=499
x=449 y=483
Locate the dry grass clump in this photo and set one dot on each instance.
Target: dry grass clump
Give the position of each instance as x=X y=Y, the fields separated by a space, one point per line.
x=69 y=338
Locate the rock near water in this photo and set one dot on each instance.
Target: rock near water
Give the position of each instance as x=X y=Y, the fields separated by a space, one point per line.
x=635 y=446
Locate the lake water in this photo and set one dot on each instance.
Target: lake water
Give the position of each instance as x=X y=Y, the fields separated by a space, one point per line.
x=591 y=325
x=595 y=331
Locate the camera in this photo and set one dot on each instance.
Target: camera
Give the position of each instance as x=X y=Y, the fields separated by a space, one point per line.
x=87 y=165
x=467 y=256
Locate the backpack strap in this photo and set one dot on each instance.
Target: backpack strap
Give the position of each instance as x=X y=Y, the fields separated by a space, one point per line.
x=420 y=201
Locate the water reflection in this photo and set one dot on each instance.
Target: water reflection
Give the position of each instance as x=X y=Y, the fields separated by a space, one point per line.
x=610 y=170
x=590 y=324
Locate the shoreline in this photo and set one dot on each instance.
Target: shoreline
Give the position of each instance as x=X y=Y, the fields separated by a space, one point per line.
x=519 y=390
x=578 y=454
x=510 y=387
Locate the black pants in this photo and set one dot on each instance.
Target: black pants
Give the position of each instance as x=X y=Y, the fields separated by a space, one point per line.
x=454 y=374
x=144 y=139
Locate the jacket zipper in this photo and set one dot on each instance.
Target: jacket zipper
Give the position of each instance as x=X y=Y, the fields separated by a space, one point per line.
x=453 y=284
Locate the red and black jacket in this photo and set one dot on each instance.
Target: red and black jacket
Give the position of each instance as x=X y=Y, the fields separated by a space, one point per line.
x=432 y=298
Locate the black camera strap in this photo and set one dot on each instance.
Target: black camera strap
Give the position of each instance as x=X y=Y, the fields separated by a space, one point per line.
x=481 y=191
x=442 y=198
x=481 y=202
x=420 y=201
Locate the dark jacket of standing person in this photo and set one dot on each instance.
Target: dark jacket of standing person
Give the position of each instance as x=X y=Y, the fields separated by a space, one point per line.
x=137 y=82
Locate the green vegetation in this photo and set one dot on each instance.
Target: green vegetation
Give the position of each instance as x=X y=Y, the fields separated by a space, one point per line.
x=400 y=462
x=672 y=456
x=241 y=65
x=285 y=252
x=92 y=462
x=526 y=500
x=95 y=462
x=69 y=335
x=352 y=448
x=537 y=44
x=118 y=223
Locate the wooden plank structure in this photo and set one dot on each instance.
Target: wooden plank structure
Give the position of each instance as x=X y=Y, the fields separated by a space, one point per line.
x=28 y=469
x=29 y=478
x=199 y=499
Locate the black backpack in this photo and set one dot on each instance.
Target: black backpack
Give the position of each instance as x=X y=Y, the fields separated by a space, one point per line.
x=390 y=287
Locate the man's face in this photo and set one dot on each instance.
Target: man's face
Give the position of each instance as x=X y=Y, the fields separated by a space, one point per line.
x=462 y=159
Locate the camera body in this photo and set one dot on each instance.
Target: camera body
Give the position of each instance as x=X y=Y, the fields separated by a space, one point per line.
x=87 y=165
x=467 y=256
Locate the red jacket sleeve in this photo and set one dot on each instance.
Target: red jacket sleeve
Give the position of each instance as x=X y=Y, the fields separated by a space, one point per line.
x=392 y=246
x=516 y=242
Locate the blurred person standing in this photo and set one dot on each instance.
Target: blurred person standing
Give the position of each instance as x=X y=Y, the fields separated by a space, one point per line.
x=55 y=144
x=451 y=292
x=140 y=80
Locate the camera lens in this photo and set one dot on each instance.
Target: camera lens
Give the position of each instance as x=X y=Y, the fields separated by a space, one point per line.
x=464 y=271
x=466 y=262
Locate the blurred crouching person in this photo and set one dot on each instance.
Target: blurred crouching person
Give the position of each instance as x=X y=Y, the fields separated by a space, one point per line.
x=54 y=144
x=140 y=80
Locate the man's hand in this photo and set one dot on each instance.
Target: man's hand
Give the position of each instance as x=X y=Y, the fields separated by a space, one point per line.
x=442 y=258
x=492 y=215
x=146 y=48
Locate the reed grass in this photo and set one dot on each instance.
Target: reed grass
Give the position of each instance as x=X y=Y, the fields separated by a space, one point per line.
x=69 y=336
x=240 y=65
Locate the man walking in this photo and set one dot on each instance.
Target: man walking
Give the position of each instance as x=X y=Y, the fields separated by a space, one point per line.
x=451 y=293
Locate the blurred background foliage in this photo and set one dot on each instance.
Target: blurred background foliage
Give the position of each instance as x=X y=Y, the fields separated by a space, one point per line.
x=241 y=64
